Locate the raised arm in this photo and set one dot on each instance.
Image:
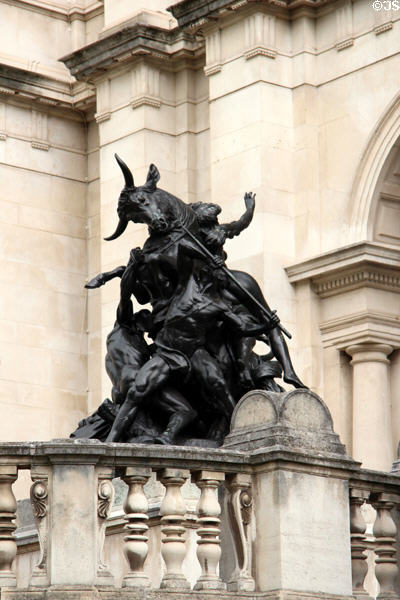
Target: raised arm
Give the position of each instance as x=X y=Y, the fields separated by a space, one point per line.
x=128 y=272
x=235 y=227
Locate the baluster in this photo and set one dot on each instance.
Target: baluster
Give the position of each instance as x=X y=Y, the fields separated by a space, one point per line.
x=385 y=533
x=173 y=510
x=240 y=509
x=39 y=496
x=209 y=544
x=136 y=508
x=8 y=507
x=105 y=498
x=359 y=566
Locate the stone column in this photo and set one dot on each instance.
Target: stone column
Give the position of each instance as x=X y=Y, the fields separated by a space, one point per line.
x=8 y=507
x=372 y=431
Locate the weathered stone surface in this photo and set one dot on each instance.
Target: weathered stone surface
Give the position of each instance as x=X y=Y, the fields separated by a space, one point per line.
x=298 y=420
x=303 y=538
x=93 y=594
x=104 y=52
x=192 y=13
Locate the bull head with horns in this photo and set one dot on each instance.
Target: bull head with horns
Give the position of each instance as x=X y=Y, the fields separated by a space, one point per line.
x=143 y=204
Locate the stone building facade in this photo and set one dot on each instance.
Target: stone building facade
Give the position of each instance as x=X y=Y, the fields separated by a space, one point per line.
x=296 y=100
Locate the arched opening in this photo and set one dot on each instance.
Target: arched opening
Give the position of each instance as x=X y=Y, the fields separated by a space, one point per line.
x=384 y=218
x=376 y=189
x=376 y=218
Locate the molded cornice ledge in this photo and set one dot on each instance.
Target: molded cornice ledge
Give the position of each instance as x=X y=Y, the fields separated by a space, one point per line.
x=194 y=13
x=62 y=9
x=55 y=89
x=362 y=319
x=131 y=42
x=364 y=264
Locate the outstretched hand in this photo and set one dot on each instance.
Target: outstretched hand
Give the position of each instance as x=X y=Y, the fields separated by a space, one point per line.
x=96 y=282
x=250 y=200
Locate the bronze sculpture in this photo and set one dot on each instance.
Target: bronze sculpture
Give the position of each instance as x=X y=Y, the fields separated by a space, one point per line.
x=204 y=322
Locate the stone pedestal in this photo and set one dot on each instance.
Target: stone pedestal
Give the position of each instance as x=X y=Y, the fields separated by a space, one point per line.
x=297 y=420
x=301 y=496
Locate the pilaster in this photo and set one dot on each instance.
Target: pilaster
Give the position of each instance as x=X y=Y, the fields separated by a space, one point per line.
x=250 y=119
x=260 y=33
x=344 y=25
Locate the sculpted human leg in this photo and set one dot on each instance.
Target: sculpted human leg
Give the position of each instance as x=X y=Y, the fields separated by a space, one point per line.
x=281 y=353
x=209 y=374
x=149 y=378
x=181 y=414
x=277 y=342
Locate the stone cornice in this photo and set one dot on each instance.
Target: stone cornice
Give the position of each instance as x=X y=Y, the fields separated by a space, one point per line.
x=353 y=278
x=23 y=84
x=357 y=265
x=67 y=11
x=194 y=13
x=129 y=43
x=365 y=327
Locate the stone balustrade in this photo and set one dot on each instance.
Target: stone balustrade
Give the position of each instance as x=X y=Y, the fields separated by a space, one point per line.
x=71 y=497
x=273 y=514
x=374 y=519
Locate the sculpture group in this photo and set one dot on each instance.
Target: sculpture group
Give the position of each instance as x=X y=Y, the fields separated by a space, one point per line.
x=178 y=370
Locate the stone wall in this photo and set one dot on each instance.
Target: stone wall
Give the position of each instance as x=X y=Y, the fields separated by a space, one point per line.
x=43 y=269
x=297 y=103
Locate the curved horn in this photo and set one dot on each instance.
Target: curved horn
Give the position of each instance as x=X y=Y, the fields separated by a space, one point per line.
x=122 y=225
x=126 y=171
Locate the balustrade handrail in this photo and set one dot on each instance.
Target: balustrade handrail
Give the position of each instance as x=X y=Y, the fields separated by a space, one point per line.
x=52 y=467
x=376 y=481
x=208 y=468
x=24 y=454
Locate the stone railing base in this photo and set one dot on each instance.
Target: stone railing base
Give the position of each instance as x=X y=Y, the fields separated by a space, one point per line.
x=75 y=593
x=293 y=492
